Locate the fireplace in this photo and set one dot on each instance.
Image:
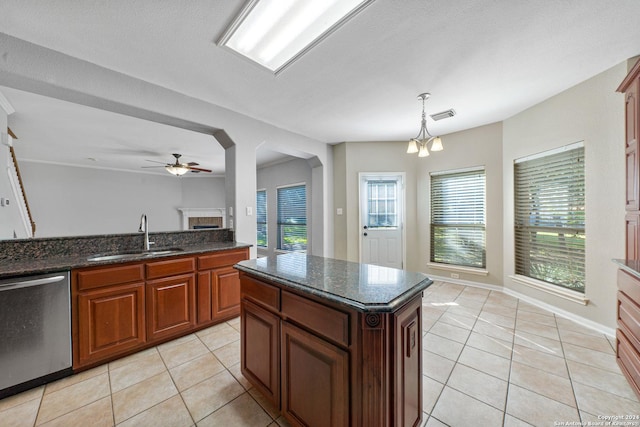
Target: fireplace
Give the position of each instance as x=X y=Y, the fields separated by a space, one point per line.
x=197 y=218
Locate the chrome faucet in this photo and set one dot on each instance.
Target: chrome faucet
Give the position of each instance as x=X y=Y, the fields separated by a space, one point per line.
x=144 y=228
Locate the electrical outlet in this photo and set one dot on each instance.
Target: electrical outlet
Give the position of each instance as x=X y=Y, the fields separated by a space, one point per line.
x=455 y=276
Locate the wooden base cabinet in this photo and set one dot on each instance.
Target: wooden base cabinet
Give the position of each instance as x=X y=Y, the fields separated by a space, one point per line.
x=171 y=306
x=123 y=308
x=219 y=286
x=338 y=366
x=260 y=350
x=113 y=321
x=309 y=361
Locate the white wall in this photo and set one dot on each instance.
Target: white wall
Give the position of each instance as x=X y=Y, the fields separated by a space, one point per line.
x=295 y=171
x=73 y=201
x=594 y=113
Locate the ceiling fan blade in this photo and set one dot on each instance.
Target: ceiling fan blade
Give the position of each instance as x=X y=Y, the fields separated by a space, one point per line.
x=148 y=167
x=155 y=161
x=192 y=164
x=199 y=169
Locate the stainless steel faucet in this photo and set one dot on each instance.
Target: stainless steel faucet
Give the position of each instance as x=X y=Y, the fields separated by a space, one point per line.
x=144 y=228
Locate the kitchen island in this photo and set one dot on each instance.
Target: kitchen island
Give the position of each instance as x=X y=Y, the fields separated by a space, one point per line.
x=333 y=342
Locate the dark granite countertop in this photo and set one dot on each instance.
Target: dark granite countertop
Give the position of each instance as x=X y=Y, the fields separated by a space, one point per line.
x=47 y=264
x=629 y=265
x=364 y=287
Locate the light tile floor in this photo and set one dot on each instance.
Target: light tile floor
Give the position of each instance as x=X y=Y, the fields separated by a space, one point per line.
x=489 y=360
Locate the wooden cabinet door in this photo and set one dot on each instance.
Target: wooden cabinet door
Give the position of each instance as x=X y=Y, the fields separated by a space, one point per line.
x=315 y=379
x=171 y=306
x=631 y=225
x=632 y=184
x=111 y=321
x=407 y=407
x=225 y=292
x=632 y=161
x=260 y=350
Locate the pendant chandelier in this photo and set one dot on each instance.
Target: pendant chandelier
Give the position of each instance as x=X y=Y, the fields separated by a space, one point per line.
x=419 y=143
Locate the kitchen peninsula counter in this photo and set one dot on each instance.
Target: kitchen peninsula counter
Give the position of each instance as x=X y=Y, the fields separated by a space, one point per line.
x=333 y=342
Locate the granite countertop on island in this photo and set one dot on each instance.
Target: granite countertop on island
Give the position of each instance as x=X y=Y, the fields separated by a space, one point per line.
x=364 y=287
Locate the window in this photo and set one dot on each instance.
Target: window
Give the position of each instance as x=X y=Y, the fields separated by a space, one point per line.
x=292 y=218
x=549 y=217
x=261 y=218
x=382 y=204
x=458 y=218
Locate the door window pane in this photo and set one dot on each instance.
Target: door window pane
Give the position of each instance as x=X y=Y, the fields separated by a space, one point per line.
x=382 y=203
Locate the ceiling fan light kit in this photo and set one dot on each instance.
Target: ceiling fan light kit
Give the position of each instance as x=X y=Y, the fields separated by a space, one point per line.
x=177 y=168
x=419 y=143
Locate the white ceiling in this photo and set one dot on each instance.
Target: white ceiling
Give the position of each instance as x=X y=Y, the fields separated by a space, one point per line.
x=487 y=59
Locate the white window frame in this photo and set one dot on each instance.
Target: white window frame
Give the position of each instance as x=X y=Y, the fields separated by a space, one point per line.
x=547 y=287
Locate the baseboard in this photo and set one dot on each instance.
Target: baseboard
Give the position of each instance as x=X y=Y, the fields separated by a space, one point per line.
x=611 y=332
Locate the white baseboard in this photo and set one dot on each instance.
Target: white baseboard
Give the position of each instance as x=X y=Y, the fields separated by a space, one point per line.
x=533 y=301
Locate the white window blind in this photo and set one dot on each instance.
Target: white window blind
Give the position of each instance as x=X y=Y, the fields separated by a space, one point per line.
x=549 y=218
x=292 y=218
x=458 y=218
x=261 y=218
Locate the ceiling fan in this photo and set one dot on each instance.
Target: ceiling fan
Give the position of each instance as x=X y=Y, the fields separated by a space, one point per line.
x=178 y=168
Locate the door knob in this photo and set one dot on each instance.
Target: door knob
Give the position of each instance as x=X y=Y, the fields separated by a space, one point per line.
x=364 y=234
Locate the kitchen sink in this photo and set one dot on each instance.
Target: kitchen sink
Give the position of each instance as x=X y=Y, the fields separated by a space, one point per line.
x=138 y=254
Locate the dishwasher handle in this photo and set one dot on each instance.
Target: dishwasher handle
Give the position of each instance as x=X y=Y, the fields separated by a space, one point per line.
x=29 y=283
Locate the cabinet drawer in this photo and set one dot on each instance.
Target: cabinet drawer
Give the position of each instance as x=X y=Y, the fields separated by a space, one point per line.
x=170 y=267
x=259 y=292
x=106 y=276
x=629 y=285
x=221 y=259
x=331 y=323
x=629 y=319
x=629 y=360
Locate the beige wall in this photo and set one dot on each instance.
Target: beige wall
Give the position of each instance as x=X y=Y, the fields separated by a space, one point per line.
x=480 y=146
x=594 y=113
x=350 y=159
x=591 y=112
x=476 y=147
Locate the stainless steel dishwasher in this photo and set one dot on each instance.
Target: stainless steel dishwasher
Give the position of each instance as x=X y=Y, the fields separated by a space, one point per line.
x=35 y=331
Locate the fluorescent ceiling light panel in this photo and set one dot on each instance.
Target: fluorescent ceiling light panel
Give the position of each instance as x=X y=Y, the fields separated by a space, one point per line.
x=274 y=33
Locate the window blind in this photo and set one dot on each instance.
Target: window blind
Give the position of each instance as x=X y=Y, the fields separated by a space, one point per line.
x=292 y=218
x=458 y=218
x=550 y=218
x=261 y=218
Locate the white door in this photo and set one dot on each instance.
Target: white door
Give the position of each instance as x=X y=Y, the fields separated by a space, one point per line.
x=381 y=219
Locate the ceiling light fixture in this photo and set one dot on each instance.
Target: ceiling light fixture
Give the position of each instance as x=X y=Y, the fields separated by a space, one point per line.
x=177 y=170
x=274 y=33
x=419 y=143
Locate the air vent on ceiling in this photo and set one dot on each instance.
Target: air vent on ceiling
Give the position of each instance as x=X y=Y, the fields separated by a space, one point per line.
x=443 y=115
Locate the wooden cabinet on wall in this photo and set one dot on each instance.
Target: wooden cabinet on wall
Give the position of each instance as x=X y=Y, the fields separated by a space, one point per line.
x=628 y=333
x=123 y=308
x=327 y=364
